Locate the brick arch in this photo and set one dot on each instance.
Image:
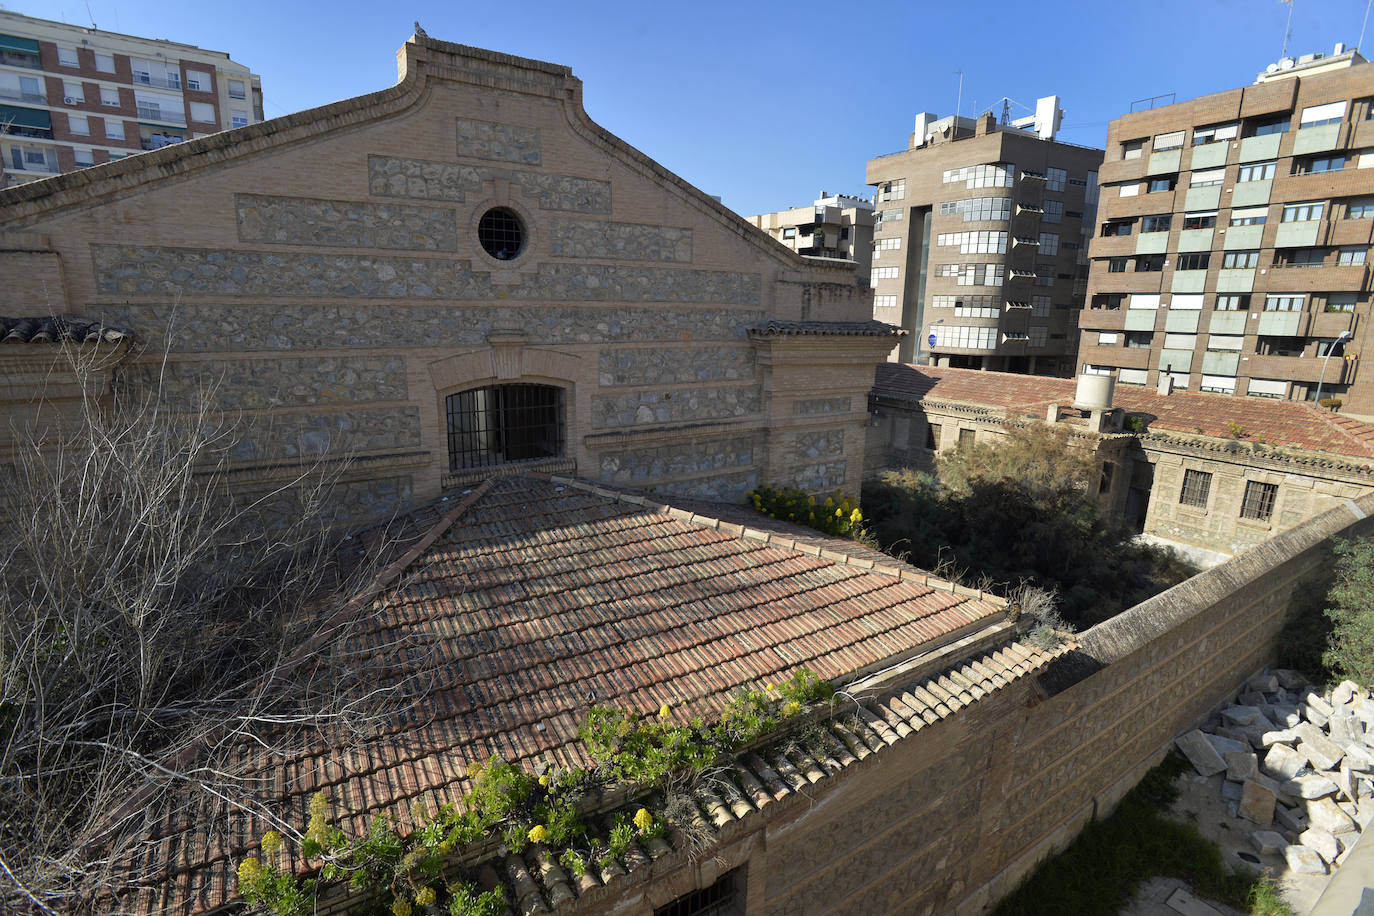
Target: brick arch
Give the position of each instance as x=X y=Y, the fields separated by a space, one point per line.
x=504 y=361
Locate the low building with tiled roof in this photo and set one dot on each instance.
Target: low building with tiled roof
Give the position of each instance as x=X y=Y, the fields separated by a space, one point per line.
x=533 y=598
x=1208 y=471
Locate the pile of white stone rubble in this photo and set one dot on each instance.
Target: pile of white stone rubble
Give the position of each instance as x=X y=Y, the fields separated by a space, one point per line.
x=1299 y=765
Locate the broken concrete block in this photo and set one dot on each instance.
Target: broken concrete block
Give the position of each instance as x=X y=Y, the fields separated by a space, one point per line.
x=1279 y=736
x=1325 y=814
x=1322 y=841
x=1344 y=693
x=1341 y=728
x=1284 y=716
x=1264 y=682
x=1323 y=753
x=1241 y=766
x=1231 y=791
x=1345 y=779
x=1240 y=715
x=1257 y=801
x=1268 y=842
x=1282 y=762
x=1304 y=861
x=1251 y=698
x=1289 y=679
x=1290 y=818
x=1201 y=752
x=1308 y=787
x=1225 y=744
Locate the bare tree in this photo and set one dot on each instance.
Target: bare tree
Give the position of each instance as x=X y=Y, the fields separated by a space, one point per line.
x=151 y=617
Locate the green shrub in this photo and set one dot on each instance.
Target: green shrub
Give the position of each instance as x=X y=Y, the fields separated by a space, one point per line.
x=1350 y=608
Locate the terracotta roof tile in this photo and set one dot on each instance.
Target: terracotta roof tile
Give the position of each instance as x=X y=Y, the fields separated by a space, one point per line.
x=1292 y=424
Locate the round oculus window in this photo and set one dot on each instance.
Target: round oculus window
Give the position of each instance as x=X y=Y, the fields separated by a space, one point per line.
x=501 y=233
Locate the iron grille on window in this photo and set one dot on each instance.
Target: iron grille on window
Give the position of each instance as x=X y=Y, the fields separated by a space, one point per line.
x=501 y=234
x=720 y=899
x=1259 y=500
x=1196 y=487
x=502 y=423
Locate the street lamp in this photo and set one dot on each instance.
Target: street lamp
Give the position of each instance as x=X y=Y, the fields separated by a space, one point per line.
x=1340 y=339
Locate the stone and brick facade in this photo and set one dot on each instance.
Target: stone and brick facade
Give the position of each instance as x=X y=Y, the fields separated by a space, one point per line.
x=327 y=273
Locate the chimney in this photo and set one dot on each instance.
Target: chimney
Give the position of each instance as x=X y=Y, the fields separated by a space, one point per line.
x=1166 y=383
x=1052 y=415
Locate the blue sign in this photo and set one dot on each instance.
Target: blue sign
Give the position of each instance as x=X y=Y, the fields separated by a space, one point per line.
x=931 y=338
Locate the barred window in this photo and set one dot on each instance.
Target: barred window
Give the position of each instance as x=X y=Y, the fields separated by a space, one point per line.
x=1197 y=485
x=503 y=423
x=721 y=898
x=1259 y=500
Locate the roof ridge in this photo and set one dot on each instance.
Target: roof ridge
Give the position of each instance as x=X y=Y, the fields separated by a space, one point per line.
x=1344 y=426
x=897 y=569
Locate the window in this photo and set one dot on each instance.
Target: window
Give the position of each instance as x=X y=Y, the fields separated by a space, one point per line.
x=884 y=302
x=1038 y=334
x=1273 y=345
x=238 y=119
x=1149 y=263
x=1296 y=213
x=890 y=216
x=1054 y=211
x=932 y=436
x=1049 y=243
x=1040 y=306
x=1240 y=260
x=1330 y=347
x=1158 y=223
x=1108 y=302
x=1090 y=369
x=1130 y=190
x=1131 y=376
x=74 y=91
x=502 y=423
x=790 y=232
x=1316 y=164
x=1267 y=388
x=1223 y=384
x=983 y=176
x=1256 y=171
x=1054 y=179
x=977 y=209
x=1216 y=133
x=1161 y=184
x=84 y=158
x=1206 y=178
x=966 y=338
x=720 y=899
x=114 y=129
x=104 y=63
x=1107 y=338
x=1193 y=260
x=1191 y=302
x=109 y=96
x=1197 y=485
x=1275 y=303
x=501 y=234
x=1360 y=208
x=1250 y=216
x=967 y=437
x=1200 y=220
x=1132 y=149
x=885 y=273
x=78 y=125
x=1340 y=302
x=1349 y=256
x=1262 y=127
x=1231 y=302
x=1139 y=340
x=1318 y=115
x=1117 y=227
x=1259 y=499
x=987 y=242
x=1301 y=257
x=198 y=81
x=203 y=112
x=1168 y=141
x=890 y=190
x=1225 y=343
x=236 y=89
x=1116 y=265
x=67 y=57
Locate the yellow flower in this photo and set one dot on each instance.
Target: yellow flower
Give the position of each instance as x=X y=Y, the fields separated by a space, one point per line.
x=829 y=501
x=544 y=780
x=538 y=834
x=400 y=907
x=791 y=708
x=664 y=712
x=426 y=896
x=271 y=842
x=856 y=516
x=839 y=513
x=319 y=805
x=772 y=686
x=250 y=869
x=474 y=769
x=643 y=819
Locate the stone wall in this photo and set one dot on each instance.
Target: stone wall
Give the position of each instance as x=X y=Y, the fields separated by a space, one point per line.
x=641 y=408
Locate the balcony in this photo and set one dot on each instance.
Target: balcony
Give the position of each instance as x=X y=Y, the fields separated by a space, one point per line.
x=1103 y=281
x=163 y=115
x=1349 y=232
x=15 y=95
x=171 y=81
x=11 y=57
x=1297 y=368
x=1347 y=182
x=1303 y=279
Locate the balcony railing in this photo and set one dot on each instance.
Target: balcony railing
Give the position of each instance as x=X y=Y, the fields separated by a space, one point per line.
x=20 y=59
x=151 y=113
x=18 y=95
x=171 y=81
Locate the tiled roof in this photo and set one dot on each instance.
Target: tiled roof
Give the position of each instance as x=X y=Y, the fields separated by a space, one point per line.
x=534 y=598
x=1293 y=424
x=58 y=329
x=775 y=327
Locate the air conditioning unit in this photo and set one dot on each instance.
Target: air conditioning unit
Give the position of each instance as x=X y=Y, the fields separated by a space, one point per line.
x=68 y=100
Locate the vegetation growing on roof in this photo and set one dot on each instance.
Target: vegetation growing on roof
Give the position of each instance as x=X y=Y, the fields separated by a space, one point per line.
x=837 y=514
x=650 y=754
x=1021 y=509
x=1329 y=635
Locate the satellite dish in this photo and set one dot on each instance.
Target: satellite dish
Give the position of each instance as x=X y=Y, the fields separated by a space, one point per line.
x=1287 y=63
x=1272 y=68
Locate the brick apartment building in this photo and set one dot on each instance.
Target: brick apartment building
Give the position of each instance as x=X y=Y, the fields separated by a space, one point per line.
x=981 y=239
x=1234 y=233
x=836 y=226
x=72 y=97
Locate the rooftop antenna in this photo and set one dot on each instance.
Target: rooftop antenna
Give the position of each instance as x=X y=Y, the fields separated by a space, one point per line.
x=90 y=15
x=1360 y=44
x=959 y=102
x=1287 y=29
x=1006 y=111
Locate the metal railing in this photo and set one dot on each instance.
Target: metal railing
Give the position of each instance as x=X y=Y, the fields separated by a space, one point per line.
x=159 y=82
x=18 y=95
x=150 y=113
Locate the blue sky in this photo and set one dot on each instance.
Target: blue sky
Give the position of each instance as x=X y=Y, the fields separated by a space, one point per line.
x=766 y=103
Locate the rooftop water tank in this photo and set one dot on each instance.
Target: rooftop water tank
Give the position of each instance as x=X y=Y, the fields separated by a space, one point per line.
x=1094 y=392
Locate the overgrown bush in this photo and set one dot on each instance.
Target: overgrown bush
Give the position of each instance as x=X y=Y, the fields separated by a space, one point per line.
x=1020 y=509
x=836 y=514
x=1350 y=608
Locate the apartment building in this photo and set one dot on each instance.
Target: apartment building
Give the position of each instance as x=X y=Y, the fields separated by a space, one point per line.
x=835 y=226
x=1231 y=253
x=980 y=242
x=72 y=97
